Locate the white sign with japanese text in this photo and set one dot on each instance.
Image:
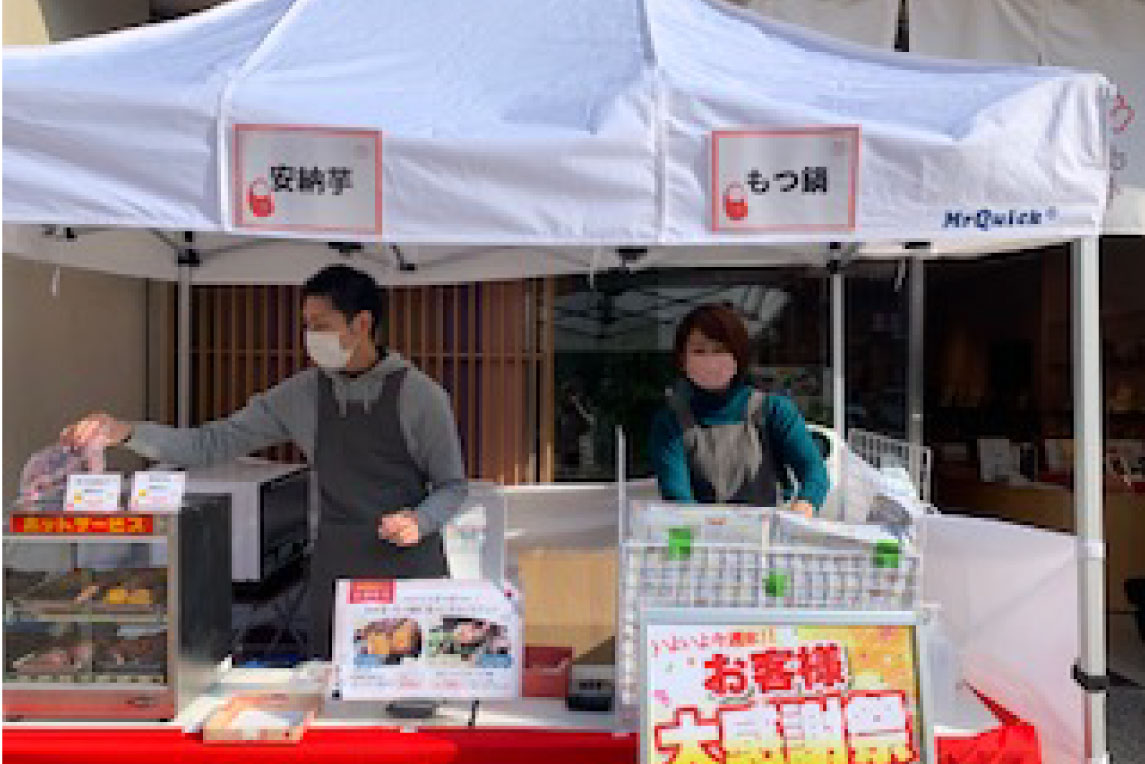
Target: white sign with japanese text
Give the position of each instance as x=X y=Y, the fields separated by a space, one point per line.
x=777 y=181
x=307 y=179
x=93 y=492
x=158 y=491
x=426 y=639
x=783 y=692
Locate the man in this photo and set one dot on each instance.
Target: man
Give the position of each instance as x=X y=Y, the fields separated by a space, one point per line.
x=379 y=434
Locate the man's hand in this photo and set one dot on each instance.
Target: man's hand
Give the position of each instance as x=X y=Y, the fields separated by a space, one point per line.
x=804 y=508
x=400 y=528
x=97 y=430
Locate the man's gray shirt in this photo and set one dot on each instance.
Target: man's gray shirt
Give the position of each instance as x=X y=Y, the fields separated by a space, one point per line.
x=288 y=412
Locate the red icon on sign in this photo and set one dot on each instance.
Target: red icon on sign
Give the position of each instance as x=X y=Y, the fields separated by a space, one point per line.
x=259 y=198
x=735 y=201
x=1121 y=115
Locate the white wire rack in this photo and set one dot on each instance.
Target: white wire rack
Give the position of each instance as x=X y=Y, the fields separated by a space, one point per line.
x=739 y=557
x=881 y=451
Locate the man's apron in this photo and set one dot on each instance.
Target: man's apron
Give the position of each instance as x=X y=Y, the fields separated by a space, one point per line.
x=364 y=471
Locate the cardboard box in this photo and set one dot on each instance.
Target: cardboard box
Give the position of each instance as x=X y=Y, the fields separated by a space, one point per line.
x=569 y=596
x=546 y=673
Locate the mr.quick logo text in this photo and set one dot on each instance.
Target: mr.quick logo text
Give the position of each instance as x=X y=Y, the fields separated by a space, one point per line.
x=988 y=219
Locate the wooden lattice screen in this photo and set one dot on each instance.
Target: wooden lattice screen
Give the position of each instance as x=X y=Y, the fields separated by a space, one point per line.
x=490 y=345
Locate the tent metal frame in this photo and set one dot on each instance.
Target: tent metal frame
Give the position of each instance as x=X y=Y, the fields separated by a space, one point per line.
x=1090 y=670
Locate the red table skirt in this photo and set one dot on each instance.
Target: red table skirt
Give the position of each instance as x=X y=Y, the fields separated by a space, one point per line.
x=1012 y=743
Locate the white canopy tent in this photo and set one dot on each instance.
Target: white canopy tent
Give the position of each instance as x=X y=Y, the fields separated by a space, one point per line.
x=538 y=123
x=534 y=137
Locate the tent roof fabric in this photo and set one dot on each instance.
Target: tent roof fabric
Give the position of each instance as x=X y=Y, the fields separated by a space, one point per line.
x=538 y=122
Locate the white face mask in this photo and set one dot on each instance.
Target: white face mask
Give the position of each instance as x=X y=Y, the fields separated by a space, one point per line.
x=325 y=349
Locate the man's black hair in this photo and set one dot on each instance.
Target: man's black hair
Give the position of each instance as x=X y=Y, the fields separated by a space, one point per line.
x=350 y=291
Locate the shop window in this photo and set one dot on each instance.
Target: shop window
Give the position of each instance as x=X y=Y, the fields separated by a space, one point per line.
x=876 y=348
x=613 y=347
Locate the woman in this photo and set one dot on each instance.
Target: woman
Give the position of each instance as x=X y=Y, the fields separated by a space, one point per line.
x=721 y=441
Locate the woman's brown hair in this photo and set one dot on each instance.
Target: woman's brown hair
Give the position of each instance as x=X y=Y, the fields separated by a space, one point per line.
x=720 y=323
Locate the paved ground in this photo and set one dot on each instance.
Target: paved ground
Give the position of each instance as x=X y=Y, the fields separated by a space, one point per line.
x=1126 y=702
x=1127 y=725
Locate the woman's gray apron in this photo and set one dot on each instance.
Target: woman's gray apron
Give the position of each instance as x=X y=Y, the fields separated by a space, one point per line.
x=729 y=463
x=364 y=471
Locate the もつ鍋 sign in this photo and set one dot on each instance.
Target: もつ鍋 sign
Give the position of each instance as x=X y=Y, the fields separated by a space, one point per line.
x=784 y=181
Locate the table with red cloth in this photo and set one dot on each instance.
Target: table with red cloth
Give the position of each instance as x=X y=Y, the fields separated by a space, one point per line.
x=522 y=731
x=1012 y=742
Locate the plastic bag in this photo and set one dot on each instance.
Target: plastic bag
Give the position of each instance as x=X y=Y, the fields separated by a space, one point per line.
x=787 y=529
x=45 y=475
x=880 y=496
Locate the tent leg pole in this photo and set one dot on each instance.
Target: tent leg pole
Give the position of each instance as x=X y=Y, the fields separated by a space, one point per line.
x=838 y=381
x=621 y=723
x=916 y=340
x=838 y=357
x=1088 y=484
x=183 y=363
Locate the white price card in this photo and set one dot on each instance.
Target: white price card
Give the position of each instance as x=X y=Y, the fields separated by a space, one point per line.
x=158 y=491
x=94 y=492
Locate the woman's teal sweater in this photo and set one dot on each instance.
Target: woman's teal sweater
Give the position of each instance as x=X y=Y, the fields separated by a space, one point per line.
x=790 y=442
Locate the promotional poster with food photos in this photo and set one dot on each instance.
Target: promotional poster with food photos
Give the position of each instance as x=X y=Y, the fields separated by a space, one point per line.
x=783 y=694
x=426 y=639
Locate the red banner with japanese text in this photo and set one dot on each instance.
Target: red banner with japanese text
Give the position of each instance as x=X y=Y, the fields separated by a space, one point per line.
x=73 y=523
